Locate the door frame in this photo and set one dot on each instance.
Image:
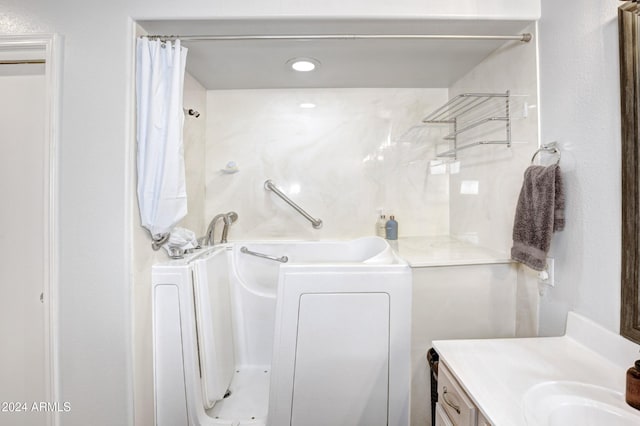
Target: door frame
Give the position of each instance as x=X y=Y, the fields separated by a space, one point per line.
x=46 y=47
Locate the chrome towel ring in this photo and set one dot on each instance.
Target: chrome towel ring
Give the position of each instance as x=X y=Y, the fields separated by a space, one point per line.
x=551 y=148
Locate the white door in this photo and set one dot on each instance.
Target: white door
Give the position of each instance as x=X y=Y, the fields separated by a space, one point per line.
x=24 y=257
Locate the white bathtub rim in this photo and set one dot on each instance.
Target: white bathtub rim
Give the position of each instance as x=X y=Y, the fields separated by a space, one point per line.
x=386 y=257
x=386 y=254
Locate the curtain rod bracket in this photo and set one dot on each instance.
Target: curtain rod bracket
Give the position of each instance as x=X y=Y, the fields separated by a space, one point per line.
x=526 y=37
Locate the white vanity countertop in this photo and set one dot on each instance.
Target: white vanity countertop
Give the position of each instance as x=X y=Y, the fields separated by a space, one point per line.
x=496 y=373
x=445 y=250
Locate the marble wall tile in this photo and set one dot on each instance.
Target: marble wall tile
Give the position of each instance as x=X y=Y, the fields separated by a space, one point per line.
x=485 y=216
x=355 y=152
x=194 y=149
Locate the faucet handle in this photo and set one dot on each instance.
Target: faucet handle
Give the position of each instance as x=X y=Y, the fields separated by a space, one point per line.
x=230 y=217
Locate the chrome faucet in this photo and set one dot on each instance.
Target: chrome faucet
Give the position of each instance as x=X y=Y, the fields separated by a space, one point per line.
x=228 y=219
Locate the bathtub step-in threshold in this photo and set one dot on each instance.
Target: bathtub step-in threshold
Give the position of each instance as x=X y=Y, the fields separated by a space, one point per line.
x=247 y=400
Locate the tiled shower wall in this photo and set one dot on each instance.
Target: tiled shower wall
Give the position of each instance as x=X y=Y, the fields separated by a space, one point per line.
x=356 y=152
x=486 y=216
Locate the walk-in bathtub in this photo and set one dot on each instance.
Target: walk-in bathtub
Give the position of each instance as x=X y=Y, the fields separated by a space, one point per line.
x=321 y=339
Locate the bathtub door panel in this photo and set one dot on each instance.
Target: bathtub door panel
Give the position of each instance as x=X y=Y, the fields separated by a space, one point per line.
x=215 y=333
x=342 y=349
x=169 y=380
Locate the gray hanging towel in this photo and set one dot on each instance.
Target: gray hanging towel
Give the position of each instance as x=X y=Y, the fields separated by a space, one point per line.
x=539 y=213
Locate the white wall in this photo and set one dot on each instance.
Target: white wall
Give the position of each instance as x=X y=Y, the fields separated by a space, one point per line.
x=340 y=161
x=471 y=9
x=580 y=108
x=95 y=155
x=94 y=224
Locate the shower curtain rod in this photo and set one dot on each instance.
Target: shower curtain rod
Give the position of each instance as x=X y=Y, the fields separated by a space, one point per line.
x=525 y=37
x=22 y=61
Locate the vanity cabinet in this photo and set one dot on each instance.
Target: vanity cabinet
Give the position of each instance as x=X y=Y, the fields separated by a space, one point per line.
x=455 y=408
x=441 y=417
x=482 y=421
x=538 y=380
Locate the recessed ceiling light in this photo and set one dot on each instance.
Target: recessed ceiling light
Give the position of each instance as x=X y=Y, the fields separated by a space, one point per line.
x=307 y=105
x=303 y=64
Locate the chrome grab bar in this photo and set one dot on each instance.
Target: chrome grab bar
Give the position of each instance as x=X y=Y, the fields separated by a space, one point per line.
x=283 y=259
x=270 y=186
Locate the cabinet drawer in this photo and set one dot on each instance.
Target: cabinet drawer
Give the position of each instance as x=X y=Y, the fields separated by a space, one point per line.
x=457 y=405
x=441 y=417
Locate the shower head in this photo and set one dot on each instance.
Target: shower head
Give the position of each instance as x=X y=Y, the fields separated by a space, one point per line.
x=192 y=112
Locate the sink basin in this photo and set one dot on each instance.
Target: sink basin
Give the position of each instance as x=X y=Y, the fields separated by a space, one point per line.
x=572 y=403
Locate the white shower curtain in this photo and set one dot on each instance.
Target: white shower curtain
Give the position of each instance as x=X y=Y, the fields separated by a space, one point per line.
x=162 y=195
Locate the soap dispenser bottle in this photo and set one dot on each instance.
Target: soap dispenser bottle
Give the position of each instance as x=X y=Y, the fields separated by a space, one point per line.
x=632 y=395
x=380 y=225
x=391 y=228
